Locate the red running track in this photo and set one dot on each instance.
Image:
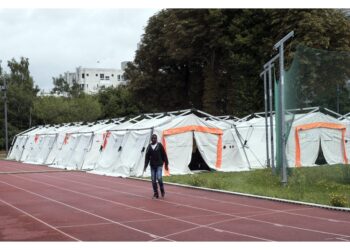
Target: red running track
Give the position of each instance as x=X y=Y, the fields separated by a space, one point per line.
x=78 y=206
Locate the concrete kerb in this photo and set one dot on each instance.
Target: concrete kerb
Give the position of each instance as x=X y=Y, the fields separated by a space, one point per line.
x=344 y=209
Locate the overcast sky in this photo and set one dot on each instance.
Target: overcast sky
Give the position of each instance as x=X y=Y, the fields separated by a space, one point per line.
x=59 y=40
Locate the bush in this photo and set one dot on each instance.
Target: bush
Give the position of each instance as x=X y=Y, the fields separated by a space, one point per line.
x=338 y=200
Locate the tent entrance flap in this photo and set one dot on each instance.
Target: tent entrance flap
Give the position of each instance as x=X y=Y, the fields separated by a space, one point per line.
x=201 y=129
x=321 y=160
x=197 y=161
x=316 y=125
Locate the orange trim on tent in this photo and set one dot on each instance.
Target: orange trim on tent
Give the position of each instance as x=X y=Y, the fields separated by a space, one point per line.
x=174 y=131
x=219 y=153
x=216 y=131
x=318 y=125
x=166 y=172
x=65 y=141
x=105 y=139
x=36 y=138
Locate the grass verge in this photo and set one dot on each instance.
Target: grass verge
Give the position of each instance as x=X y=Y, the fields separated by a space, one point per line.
x=328 y=185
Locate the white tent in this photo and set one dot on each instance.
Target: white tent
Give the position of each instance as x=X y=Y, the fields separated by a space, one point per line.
x=346 y=122
x=94 y=151
x=59 y=141
x=309 y=133
x=124 y=147
x=313 y=131
x=118 y=148
x=43 y=142
x=19 y=143
x=34 y=143
x=179 y=135
x=233 y=155
x=65 y=147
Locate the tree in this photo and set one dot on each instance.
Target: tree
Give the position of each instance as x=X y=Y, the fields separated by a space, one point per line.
x=20 y=96
x=211 y=59
x=56 y=110
x=61 y=87
x=117 y=102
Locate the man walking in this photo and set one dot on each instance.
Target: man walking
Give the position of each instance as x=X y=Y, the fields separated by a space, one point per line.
x=156 y=157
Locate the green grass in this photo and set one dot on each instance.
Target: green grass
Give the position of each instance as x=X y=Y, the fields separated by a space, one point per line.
x=329 y=185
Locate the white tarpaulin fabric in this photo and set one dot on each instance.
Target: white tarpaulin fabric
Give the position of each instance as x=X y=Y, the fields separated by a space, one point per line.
x=40 y=153
x=57 y=146
x=253 y=136
x=119 y=148
x=32 y=144
x=313 y=130
x=179 y=152
x=111 y=153
x=18 y=147
x=178 y=136
x=232 y=157
x=332 y=145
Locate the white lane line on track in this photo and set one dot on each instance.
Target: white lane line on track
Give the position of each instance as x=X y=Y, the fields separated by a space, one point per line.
x=86 y=225
x=214 y=223
x=78 y=209
x=137 y=208
x=241 y=204
x=37 y=219
x=281 y=211
x=136 y=221
x=239 y=217
x=342 y=239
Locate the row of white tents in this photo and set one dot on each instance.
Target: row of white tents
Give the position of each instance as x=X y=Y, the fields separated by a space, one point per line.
x=118 y=147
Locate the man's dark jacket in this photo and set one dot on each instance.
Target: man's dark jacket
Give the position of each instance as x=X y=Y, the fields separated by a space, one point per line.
x=156 y=157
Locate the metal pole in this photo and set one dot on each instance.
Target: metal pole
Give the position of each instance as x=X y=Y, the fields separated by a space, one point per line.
x=268 y=66
x=280 y=47
x=338 y=98
x=282 y=118
x=271 y=122
x=4 y=88
x=5 y=111
x=266 y=128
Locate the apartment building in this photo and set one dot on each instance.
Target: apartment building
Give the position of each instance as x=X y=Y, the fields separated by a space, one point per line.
x=91 y=80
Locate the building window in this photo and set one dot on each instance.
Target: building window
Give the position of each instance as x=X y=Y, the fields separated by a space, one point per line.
x=118 y=77
x=96 y=75
x=107 y=77
x=112 y=75
x=82 y=76
x=87 y=75
x=102 y=76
